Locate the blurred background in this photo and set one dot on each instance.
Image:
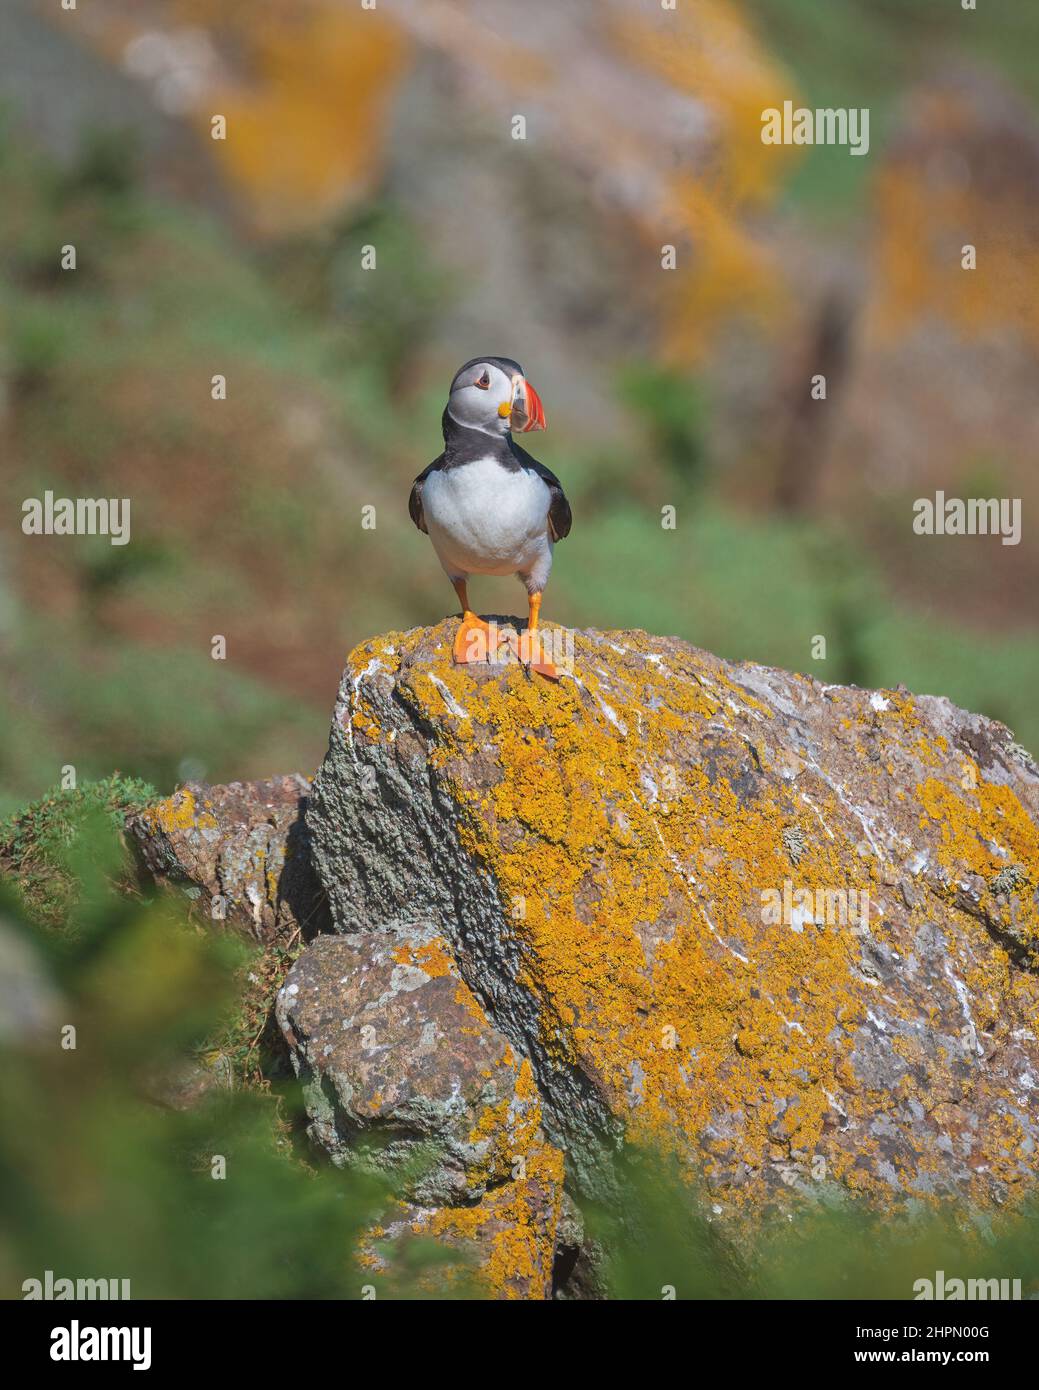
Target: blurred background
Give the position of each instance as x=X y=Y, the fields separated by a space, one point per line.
x=349 y=127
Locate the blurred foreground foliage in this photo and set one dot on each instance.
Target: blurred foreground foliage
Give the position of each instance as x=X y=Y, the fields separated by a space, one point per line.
x=656 y=1240
x=106 y=1161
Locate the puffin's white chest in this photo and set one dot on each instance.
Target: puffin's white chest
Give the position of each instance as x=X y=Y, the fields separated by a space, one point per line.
x=486 y=519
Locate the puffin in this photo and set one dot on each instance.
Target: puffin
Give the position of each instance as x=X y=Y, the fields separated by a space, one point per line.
x=489 y=507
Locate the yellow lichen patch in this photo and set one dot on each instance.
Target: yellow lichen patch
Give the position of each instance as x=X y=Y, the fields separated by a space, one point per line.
x=434 y=957
x=985 y=831
x=179 y=812
x=507 y=1131
x=903 y=708
x=980 y=828
x=931 y=752
x=511 y=1231
x=508 y=1235
x=915 y=215
x=304 y=134
x=1009 y=1151
x=363 y=723
x=465 y=997
x=379 y=654
x=712 y=55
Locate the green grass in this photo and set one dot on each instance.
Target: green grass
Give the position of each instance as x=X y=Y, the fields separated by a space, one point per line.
x=36 y=842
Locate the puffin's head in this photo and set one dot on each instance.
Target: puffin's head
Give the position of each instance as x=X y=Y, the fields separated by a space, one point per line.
x=492 y=394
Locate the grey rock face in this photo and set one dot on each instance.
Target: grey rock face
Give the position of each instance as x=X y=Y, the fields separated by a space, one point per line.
x=402 y=1072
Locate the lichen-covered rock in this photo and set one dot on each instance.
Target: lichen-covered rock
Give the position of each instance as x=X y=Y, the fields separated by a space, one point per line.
x=402 y=1072
x=241 y=851
x=723 y=909
x=507 y=1240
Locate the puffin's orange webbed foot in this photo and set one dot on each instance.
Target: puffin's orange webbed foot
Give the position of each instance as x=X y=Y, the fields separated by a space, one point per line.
x=531 y=649
x=532 y=655
x=475 y=639
x=479 y=641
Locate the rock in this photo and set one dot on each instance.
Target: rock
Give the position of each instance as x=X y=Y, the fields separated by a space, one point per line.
x=241 y=851
x=506 y=1240
x=721 y=909
x=401 y=1068
x=403 y=1075
x=580 y=1274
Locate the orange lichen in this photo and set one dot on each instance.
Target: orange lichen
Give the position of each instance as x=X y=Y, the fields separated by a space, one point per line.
x=983 y=831
x=981 y=827
x=713 y=56
x=465 y=997
x=921 y=235
x=511 y=1230
x=305 y=132
x=179 y=812
x=434 y=957
x=508 y=1235
x=508 y=1130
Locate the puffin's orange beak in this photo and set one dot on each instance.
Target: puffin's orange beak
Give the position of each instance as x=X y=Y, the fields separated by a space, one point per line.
x=527 y=411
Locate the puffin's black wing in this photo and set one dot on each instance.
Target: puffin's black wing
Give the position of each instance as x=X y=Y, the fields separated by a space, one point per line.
x=415 y=500
x=560 y=517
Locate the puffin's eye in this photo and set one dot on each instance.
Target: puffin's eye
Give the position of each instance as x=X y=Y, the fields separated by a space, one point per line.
x=484 y=382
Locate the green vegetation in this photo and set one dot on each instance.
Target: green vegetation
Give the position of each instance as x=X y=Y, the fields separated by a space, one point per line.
x=831 y=1248
x=112 y=1150
x=36 y=843
x=671 y=408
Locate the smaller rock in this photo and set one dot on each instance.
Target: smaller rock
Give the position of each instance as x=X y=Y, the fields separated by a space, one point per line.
x=402 y=1072
x=242 y=851
x=579 y=1272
